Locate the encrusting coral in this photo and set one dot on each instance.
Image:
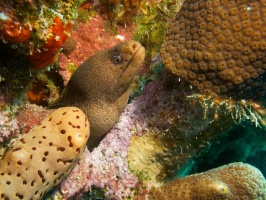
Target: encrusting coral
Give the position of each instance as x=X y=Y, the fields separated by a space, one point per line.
x=233 y=181
x=219 y=47
x=42 y=158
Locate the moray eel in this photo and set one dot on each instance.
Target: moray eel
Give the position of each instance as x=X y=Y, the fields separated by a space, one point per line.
x=100 y=87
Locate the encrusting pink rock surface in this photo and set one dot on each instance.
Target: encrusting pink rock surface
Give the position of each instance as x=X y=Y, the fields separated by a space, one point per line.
x=107 y=167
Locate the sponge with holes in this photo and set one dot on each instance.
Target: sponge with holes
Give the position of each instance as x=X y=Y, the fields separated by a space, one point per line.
x=41 y=158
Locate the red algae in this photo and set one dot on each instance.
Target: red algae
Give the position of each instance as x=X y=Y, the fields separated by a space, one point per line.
x=30 y=115
x=91 y=37
x=13 y=31
x=46 y=54
x=39 y=93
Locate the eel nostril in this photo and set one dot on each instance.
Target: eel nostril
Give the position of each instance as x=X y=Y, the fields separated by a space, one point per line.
x=134 y=46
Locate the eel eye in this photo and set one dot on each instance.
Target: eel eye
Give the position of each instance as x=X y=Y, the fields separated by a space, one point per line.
x=117 y=59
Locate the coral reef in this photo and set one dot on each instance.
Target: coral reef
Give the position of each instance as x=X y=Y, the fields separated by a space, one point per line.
x=46 y=54
x=8 y=124
x=69 y=45
x=233 y=181
x=30 y=115
x=174 y=133
x=40 y=27
x=219 y=47
x=168 y=131
x=106 y=167
x=43 y=157
x=163 y=133
x=151 y=21
x=15 y=32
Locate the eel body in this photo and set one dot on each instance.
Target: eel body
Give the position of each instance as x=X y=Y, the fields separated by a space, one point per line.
x=100 y=87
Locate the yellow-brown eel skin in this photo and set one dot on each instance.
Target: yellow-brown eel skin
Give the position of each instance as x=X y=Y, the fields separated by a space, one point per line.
x=100 y=87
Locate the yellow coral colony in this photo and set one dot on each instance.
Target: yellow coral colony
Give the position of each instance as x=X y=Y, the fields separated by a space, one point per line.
x=218 y=46
x=233 y=181
x=41 y=158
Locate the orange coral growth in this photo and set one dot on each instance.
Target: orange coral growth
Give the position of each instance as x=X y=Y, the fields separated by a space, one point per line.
x=38 y=93
x=46 y=54
x=13 y=31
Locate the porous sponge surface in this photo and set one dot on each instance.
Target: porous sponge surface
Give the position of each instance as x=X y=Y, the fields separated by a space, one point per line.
x=234 y=181
x=41 y=158
x=219 y=46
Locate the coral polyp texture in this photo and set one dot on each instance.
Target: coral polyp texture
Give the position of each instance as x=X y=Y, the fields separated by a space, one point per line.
x=233 y=181
x=42 y=158
x=219 y=47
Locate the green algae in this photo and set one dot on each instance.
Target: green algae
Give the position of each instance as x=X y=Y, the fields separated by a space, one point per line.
x=151 y=24
x=71 y=67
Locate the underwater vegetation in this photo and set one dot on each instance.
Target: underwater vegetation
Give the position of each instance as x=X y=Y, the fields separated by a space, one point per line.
x=38 y=29
x=193 y=120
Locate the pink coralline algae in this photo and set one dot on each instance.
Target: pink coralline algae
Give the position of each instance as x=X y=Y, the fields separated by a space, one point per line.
x=161 y=108
x=106 y=167
x=30 y=115
x=8 y=125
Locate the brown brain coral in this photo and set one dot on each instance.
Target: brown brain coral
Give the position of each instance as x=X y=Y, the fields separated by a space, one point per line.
x=233 y=181
x=219 y=46
x=41 y=158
